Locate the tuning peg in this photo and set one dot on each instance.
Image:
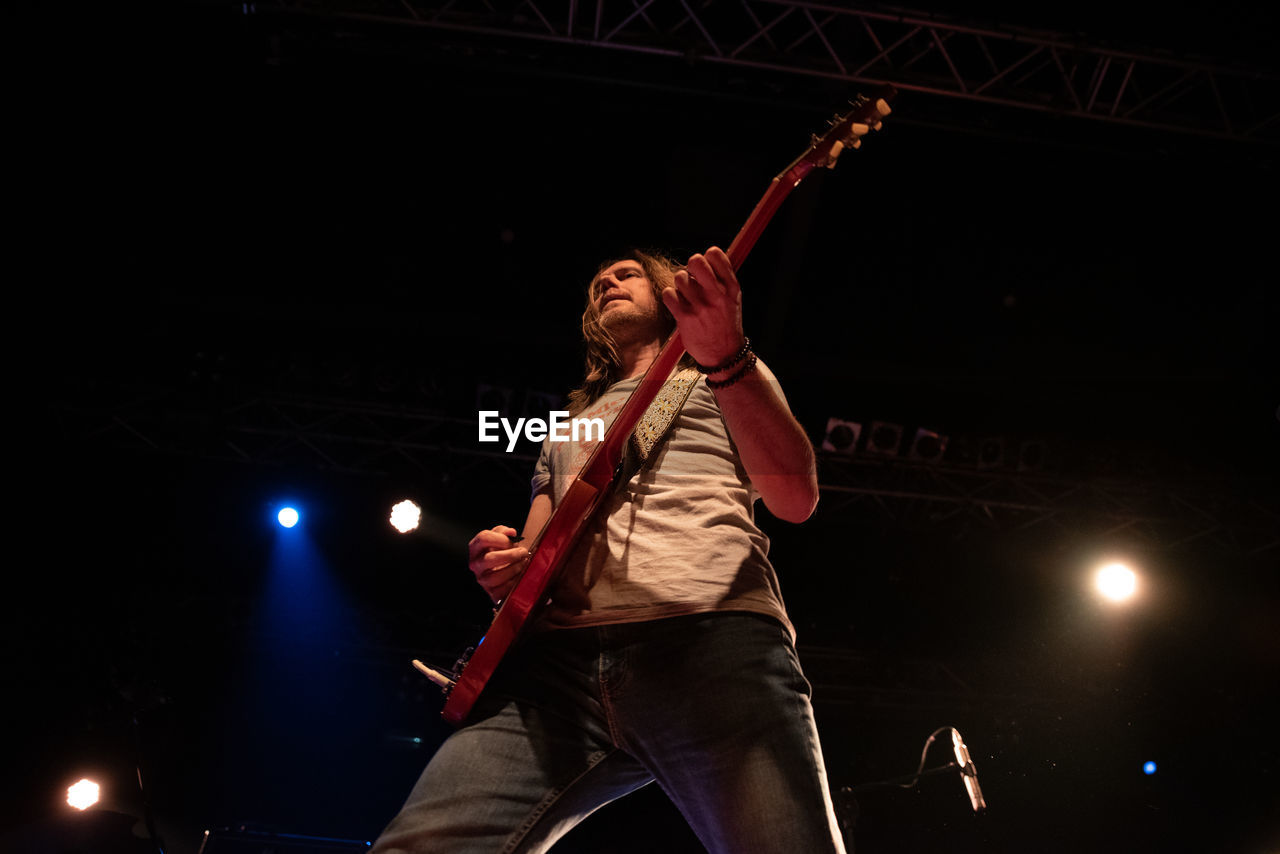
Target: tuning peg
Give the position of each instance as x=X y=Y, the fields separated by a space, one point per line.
x=882 y=107
x=858 y=129
x=854 y=142
x=836 y=148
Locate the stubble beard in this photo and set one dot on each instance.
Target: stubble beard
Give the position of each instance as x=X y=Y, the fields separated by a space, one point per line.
x=629 y=324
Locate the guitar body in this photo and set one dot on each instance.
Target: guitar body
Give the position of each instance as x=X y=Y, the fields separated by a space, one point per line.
x=563 y=531
x=574 y=513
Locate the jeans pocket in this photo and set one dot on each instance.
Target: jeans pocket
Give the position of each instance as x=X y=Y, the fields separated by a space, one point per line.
x=798 y=682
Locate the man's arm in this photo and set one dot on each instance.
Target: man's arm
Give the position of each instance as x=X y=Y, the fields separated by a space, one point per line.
x=774 y=449
x=707 y=304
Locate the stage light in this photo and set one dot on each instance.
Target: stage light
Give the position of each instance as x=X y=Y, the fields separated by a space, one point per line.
x=405 y=516
x=1148 y=768
x=1116 y=582
x=885 y=438
x=928 y=446
x=1031 y=456
x=388 y=376
x=288 y=517
x=841 y=436
x=83 y=794
x=991 y=453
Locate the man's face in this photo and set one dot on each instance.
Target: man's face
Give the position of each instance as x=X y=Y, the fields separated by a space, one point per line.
x=624 y=296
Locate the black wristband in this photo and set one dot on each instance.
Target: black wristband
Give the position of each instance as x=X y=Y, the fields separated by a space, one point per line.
x=735 y=359
x=742 y=372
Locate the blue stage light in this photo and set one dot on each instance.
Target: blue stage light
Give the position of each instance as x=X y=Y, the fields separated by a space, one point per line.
x=1148 y=768
x=288 y=517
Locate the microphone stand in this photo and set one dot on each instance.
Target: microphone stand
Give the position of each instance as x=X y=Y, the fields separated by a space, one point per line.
x=904 y=780
x=847 y=804
x=147 y=814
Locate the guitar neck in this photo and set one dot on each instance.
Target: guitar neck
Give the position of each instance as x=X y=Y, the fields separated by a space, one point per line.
x=769 y=203
x=600 y=468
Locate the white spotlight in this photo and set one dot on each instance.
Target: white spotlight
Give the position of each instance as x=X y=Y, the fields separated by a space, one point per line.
x=288 y=517
x=83 y=794
x=1116 y=582
x=405 y=516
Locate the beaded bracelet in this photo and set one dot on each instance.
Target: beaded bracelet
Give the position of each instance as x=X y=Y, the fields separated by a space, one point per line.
x=735 y=359
x=742 y=372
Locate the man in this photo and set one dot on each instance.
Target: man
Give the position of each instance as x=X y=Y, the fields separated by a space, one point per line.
x=665 y=653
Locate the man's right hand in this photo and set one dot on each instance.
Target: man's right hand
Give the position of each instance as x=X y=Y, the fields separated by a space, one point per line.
x=495 y=562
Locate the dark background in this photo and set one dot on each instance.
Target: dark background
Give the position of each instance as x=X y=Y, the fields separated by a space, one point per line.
x=220 y=210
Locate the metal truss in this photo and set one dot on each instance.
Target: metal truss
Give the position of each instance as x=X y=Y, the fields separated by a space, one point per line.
x=392 y=440
x=1150 y=510
x=997 y=65
x=283 y=430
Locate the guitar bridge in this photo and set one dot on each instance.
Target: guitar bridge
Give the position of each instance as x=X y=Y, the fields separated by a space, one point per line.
x=461 y=664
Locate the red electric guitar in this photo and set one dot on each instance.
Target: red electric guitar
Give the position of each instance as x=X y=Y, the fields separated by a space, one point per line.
x=548 y=552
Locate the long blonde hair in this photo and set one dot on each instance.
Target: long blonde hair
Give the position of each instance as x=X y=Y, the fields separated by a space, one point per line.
x=602 y=361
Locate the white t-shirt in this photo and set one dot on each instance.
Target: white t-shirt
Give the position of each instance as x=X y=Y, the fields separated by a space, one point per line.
x=679 y=538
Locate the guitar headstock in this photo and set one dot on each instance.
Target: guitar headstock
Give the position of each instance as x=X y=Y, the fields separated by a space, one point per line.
x=866 y=113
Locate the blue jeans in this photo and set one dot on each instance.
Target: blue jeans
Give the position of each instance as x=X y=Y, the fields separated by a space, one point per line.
x=713 y=707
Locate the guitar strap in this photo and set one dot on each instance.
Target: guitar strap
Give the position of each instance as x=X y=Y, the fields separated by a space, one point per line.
x=657 y=419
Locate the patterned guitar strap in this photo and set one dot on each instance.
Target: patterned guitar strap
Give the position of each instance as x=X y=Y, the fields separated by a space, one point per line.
x=657 y=420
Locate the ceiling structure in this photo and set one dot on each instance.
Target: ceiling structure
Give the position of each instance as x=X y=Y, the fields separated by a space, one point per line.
x=993 y=65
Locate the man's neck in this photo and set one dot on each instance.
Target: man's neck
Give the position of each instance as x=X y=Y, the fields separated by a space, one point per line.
x=636 y=357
